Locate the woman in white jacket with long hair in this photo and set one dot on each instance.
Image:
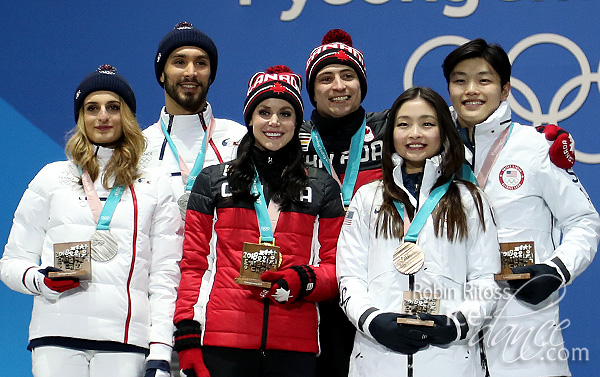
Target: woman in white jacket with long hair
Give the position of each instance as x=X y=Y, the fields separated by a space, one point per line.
x=121 y=320
x=449 y=249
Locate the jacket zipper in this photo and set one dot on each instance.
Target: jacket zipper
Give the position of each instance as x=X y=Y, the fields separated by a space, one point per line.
x=134 y=250
x=411 y=281
x=263 y=341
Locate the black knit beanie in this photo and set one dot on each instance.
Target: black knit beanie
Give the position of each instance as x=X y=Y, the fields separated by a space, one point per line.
x=185 y=34
x=106 y=78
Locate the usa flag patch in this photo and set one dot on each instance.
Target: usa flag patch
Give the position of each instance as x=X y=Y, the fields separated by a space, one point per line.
x=348 y=218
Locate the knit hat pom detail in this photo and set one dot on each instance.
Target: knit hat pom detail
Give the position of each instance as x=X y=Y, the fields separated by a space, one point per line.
x=107 y=68
x=278 y=69
x=184 y=24
x=337 y=35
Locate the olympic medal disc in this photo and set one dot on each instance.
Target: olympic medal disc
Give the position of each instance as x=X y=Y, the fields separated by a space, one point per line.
x=183 y=202
x=104 y=246
x=409 y=258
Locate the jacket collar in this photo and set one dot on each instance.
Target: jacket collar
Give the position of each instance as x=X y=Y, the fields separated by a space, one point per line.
x=491 y=128
x=186 y=122
x=431 y=173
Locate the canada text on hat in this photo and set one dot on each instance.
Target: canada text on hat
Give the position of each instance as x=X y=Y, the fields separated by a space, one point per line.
x=276 y=82
x=336 y=48
x=340 y=54
x=262 y=77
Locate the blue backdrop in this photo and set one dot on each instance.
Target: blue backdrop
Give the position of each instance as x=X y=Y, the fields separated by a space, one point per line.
x=47 y=47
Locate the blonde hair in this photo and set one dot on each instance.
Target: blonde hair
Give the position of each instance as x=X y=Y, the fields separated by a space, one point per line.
x=122 y=169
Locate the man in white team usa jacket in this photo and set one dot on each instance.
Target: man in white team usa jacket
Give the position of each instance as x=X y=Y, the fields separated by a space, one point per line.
x=533 y=201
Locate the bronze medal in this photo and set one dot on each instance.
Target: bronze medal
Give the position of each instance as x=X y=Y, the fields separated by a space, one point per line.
x=409 y=258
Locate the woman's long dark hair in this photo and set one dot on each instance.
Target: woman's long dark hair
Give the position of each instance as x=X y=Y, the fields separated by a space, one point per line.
x=294 y=178
x=450 y=207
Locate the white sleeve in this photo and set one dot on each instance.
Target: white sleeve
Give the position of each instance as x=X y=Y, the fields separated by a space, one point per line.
x=166 y=238
x=481 y=291
x=26 y=239
x=575 y=216
x=352 y=261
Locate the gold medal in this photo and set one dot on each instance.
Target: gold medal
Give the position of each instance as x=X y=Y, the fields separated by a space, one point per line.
x=409 y=258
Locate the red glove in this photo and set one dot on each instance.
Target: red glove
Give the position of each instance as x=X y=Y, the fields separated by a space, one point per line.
x=61 y=285
x=51 y=289
x=191 y=363
x=562 y=150
x=290 y=284
x=58 y=284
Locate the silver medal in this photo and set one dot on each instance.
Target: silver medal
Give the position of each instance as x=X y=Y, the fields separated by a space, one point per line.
x=104 y=246
x=409 y=258
x=183 y=202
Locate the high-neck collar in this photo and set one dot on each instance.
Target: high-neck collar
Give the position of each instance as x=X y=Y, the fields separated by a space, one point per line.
x=103 y=155
x=270 y=164
x=497 y=120
x=183 y=122
x=431 y=172
x=334 y=127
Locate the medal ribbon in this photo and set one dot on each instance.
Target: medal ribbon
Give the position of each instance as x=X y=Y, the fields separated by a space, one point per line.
x=421 y=217
x=492 y=156
x=467 y=174
x=102 y=216
x=262 y=212
x=189 y=177
x=356 y=147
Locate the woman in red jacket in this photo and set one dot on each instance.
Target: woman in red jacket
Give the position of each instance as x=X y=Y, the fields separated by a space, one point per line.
x=265 y=197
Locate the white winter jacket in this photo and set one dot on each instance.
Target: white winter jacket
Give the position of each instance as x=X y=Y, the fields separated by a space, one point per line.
x=532 y=198
x=131 y=298
x=187 y=132
x=461 y=271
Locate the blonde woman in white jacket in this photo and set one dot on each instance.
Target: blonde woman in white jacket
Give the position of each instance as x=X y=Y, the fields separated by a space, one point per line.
x=120 y=321
x=449 y=219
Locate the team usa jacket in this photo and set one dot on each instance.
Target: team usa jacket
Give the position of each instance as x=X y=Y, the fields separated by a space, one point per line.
x=216 y=228
x=533 y=200
x=461 y=273
x=336 y=134
x=131 y=297
x=187 y=132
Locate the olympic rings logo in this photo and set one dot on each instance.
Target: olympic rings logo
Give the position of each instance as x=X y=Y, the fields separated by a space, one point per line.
x=555 y=113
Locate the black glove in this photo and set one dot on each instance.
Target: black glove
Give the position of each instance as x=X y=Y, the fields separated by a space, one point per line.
x=157 y=368
x=397 y=337
x=443 y=331
x=544 y=280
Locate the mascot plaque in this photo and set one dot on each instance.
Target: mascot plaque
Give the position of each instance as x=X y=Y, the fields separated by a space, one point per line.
x=256 y=259
x=415 y=303
x=515 y=254
x=73 y=260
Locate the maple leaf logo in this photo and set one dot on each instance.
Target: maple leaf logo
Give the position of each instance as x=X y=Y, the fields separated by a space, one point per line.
x=341 y=55
x=278 y=88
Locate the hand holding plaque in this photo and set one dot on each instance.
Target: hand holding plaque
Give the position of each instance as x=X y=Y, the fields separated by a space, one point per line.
x=515 y=254
x=256 y=259
x=404 y=339
x=544 y=281
x=72 y=260
x=443 y=331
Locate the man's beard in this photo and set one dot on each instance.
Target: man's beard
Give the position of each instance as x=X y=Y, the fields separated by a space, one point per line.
x=192 y=103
